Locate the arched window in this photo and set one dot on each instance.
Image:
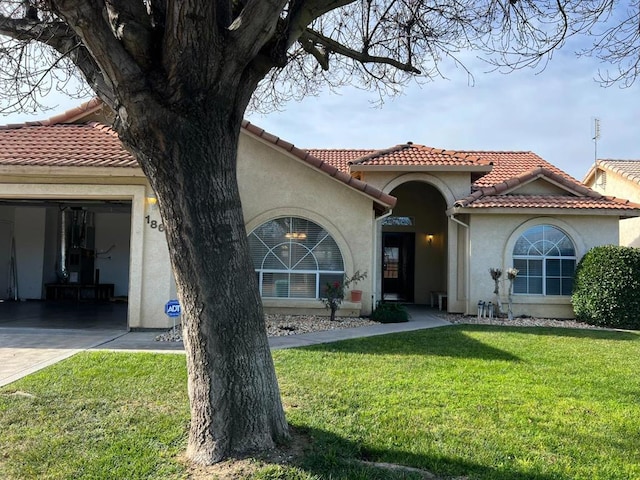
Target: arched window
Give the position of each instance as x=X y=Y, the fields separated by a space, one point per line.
x=294 y=258
x=546 y=261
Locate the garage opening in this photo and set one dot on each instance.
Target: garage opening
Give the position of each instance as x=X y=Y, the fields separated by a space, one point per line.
x=64 y=263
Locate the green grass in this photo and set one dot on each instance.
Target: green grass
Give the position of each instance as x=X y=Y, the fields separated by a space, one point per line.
x=96 y=416
x=482 y=402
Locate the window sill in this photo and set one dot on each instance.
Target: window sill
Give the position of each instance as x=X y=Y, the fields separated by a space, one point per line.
x=543 y=299
x=297 y=306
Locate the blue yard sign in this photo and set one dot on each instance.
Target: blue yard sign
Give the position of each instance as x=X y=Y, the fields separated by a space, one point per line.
x=172 y=308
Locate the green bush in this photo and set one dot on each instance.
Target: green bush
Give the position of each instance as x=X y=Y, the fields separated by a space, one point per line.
x=606 y=289
x=390 y=313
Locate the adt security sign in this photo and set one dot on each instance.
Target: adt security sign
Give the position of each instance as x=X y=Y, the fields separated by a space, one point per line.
x=172 y=308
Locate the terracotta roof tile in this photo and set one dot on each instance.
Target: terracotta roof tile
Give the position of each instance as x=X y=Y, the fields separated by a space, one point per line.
x=492 y=190
x=339 y=158
x=410 y=154
x=63 y=145
x=552 y=201
x=507 y=165
x=74 y=114
x=573 y=186
x=629 y=169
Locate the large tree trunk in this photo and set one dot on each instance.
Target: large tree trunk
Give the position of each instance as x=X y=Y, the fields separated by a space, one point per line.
x=233 y=391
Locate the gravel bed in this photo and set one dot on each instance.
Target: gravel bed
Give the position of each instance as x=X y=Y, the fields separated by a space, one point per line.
x=282 y=325
x=516 y=322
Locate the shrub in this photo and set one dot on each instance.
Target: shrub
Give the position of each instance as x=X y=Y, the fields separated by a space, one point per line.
x=390 y=313
x=606 y=290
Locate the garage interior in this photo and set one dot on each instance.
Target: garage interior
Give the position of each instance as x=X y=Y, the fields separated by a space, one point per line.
x=64 y=263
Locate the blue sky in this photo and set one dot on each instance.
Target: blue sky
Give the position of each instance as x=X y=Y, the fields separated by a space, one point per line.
x=549 y=112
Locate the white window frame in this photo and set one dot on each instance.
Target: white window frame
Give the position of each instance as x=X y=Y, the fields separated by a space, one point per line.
x=291 y=270
x=543 y=257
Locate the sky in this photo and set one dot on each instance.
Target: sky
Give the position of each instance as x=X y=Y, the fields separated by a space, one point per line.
x=550 y=112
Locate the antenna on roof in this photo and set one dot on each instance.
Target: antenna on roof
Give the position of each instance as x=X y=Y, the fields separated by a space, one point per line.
x=595 y=132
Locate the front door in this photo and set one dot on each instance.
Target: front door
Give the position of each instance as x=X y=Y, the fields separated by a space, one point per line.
x=397 y=266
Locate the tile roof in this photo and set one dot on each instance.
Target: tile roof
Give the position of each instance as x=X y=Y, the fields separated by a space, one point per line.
x=63 y=145
x=578 y=195
x=506 y=171
x=508 y=164
x=339 y=158
x=321 y=165
x=551 y=201
x=413 y=155
x=573 y=187
x=60 y=142
x=629 y=169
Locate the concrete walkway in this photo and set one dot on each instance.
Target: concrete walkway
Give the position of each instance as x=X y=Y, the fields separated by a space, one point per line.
x=26 y=350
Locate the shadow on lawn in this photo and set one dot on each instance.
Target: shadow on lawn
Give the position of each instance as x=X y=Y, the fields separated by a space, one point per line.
x=454 y=341
x=595 y=334
x=336 y=458
x=444 y=342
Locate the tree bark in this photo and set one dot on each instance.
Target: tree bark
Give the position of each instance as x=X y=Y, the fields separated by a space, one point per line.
x=234 y=395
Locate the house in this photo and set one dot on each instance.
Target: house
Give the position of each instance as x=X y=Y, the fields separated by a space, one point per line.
x=79 y=221
x=621 y=178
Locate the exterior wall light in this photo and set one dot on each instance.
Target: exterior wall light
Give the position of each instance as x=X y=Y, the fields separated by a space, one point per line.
x=429 y=238
x=151 y=201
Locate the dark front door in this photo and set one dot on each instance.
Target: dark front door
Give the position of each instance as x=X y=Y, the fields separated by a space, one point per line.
x=397 y=266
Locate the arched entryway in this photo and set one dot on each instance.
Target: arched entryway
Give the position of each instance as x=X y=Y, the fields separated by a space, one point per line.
x=414 y=245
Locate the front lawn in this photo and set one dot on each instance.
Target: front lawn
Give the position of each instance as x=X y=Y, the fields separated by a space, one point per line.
x=476 y=401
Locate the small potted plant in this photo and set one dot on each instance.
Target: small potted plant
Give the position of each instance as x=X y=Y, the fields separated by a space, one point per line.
x=334 y=292
x=356 y=295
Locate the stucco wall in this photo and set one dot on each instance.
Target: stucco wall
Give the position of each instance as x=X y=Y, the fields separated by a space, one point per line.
x=156 y=276
x=621 y=187
x=452 y=186
x=273 y=184
x=492 y=238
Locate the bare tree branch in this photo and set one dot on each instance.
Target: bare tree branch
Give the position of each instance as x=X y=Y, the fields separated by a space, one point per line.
x=362 y=57
x=303 y=13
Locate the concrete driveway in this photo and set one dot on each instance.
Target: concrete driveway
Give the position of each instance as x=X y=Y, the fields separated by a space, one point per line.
x=26 y=350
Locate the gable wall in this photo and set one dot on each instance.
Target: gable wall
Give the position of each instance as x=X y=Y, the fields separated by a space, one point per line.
x=274 y=184
x=539 y=187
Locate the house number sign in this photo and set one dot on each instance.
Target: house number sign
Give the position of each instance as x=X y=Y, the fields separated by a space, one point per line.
x=154 y=224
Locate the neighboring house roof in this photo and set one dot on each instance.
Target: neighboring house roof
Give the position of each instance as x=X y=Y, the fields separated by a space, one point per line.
x=629 y=169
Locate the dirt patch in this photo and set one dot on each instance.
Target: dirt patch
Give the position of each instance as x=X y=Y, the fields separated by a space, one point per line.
x=240 y=468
